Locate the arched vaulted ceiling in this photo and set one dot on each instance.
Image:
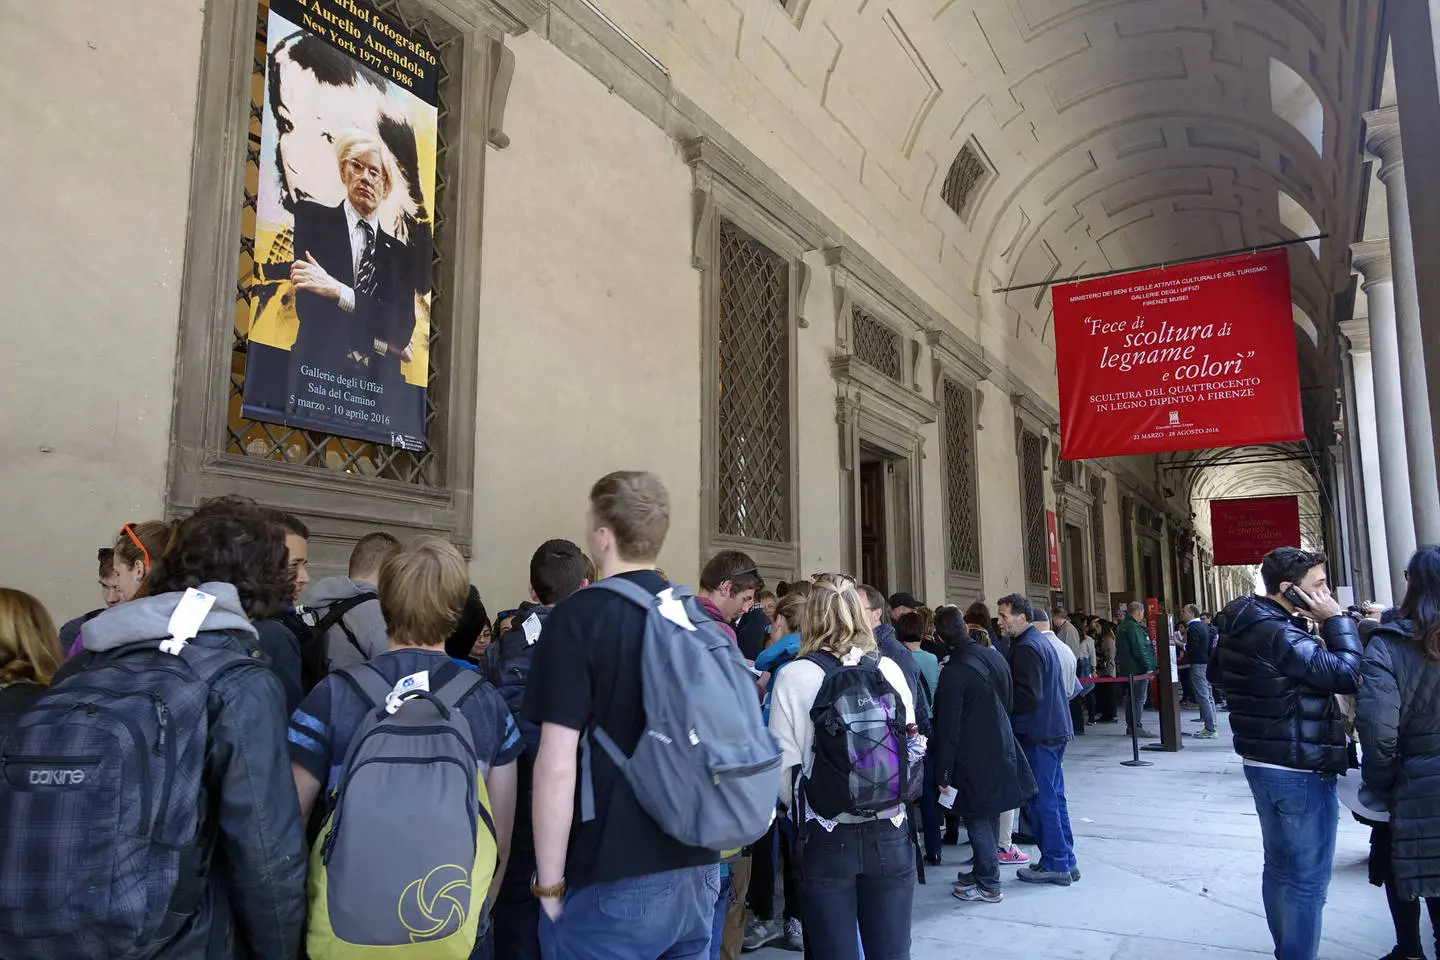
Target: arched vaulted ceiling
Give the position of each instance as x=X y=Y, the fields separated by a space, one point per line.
x=1127 y=132
x=1258 y=471
x=1100 y=134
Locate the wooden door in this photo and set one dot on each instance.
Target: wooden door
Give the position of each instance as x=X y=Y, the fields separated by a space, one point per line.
x=872 y=525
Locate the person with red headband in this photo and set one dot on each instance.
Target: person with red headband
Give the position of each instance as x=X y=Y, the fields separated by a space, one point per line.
x=137 y=547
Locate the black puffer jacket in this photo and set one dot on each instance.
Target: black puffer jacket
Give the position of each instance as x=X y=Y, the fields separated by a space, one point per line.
x=1281 y=684
x=1399 y=724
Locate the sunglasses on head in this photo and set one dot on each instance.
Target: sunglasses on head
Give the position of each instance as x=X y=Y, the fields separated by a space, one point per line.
x=741 y=573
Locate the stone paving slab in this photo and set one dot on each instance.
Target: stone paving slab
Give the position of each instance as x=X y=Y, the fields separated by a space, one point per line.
x=1171 y=859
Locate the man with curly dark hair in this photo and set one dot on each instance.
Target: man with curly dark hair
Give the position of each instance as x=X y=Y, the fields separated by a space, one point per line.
x=166 y=693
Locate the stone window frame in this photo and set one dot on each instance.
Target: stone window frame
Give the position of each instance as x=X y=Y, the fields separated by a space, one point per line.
x=1033 y=418
x=725 y=189
x=874 y=410
x=338 y=508
x=962 y=363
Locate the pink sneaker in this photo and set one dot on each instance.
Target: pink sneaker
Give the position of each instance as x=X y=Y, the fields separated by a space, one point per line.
x=1014 y=856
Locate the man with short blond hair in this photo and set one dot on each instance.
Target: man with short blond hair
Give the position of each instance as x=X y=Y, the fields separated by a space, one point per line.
x=585 y=676
x=421 y=592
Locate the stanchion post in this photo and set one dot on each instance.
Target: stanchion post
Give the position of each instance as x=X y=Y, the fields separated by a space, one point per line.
x=1134 y=760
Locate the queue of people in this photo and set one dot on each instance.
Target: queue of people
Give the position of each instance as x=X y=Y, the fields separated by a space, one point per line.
x=381 y=764
x=385 y=765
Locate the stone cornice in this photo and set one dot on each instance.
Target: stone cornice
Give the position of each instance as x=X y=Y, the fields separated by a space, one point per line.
x=1382 y=138
x=1357 y=331
x=851 y=266
x=1371 y=259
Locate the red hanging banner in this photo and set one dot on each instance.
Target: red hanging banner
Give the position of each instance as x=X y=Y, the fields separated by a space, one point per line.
x=1243 y=531
x=1178 y=358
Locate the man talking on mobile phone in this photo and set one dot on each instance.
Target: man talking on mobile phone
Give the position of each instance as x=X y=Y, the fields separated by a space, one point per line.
x=1288 y=728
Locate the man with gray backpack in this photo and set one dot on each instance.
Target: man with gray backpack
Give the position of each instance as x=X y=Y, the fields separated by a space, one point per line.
x=417 y=757
x=675 y=762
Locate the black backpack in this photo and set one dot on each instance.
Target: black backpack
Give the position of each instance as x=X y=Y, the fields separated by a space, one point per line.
x=312 y=627
x=861 y=765
x=107 y=828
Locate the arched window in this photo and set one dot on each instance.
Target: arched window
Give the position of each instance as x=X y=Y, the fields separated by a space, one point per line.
x=1295 y=102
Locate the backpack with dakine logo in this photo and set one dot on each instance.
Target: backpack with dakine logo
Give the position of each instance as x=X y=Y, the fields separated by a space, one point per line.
x=408 y=852
x=107 y=830
x=706 y=769
x=862 y=765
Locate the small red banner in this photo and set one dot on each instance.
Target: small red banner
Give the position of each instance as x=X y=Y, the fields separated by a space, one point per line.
x=1178 y=358
x=1053 y=541
x=1243 y=531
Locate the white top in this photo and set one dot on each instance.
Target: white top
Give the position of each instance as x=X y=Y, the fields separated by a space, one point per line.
x=1068 y=663
x=795 y=690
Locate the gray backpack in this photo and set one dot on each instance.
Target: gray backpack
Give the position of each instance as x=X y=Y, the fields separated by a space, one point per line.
x=408 y=853
x=706 y=769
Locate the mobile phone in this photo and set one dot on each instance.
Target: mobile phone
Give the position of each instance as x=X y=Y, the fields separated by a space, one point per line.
x=1294 y=597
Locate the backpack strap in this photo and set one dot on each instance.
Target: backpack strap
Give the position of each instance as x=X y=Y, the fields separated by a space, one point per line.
x=335 y=616
x=641 y=597
x=630 y=590
x=370 y=683
x=454 y=687
x=825 y=660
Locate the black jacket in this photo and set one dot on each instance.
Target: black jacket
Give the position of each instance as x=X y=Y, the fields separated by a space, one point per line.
x=974 y=747
x=1281 y=684
x=1197 y=641
x=328 y=334
x=1398 y=720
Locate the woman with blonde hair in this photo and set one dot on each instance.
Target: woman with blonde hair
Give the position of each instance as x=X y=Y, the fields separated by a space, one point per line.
x=855 y=779
x=29 y=651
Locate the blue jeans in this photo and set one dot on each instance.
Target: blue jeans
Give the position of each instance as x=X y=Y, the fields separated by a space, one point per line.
x=1199 y=676
x=1047 y=811
x=860 y=875
x=1298 y=816
x=722 y=907
x=662 y=916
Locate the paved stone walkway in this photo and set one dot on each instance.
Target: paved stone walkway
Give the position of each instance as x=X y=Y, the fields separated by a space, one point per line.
x=1171 y=859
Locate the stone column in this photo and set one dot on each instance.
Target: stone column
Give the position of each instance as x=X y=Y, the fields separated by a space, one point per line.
x=1382 y=140
x=1372 y=260
x=1412 y=29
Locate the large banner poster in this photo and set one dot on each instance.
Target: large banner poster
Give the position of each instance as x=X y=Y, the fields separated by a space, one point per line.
x=1243 y=531
x=340 y=300
x=1178 y=358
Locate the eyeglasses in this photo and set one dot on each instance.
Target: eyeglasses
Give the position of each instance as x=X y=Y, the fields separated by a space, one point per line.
x=365 y=170
x=129 y=531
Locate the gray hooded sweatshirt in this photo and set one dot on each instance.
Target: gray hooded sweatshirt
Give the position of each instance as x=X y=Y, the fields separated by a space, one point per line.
x=363 y=620
x=149 y=618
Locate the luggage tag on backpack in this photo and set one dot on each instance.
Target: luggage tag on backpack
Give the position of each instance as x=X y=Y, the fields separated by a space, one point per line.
x=531 y=626
x=185 y=622
x=673 y=610
x=404 y=687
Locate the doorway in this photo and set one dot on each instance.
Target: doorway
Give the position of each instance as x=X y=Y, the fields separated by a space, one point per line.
x=883 y=551
x=1152 y=574
x=1072 y=569
x=873 y=542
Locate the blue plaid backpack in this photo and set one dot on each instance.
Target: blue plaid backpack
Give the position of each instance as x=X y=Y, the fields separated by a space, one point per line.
x=105 y=825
